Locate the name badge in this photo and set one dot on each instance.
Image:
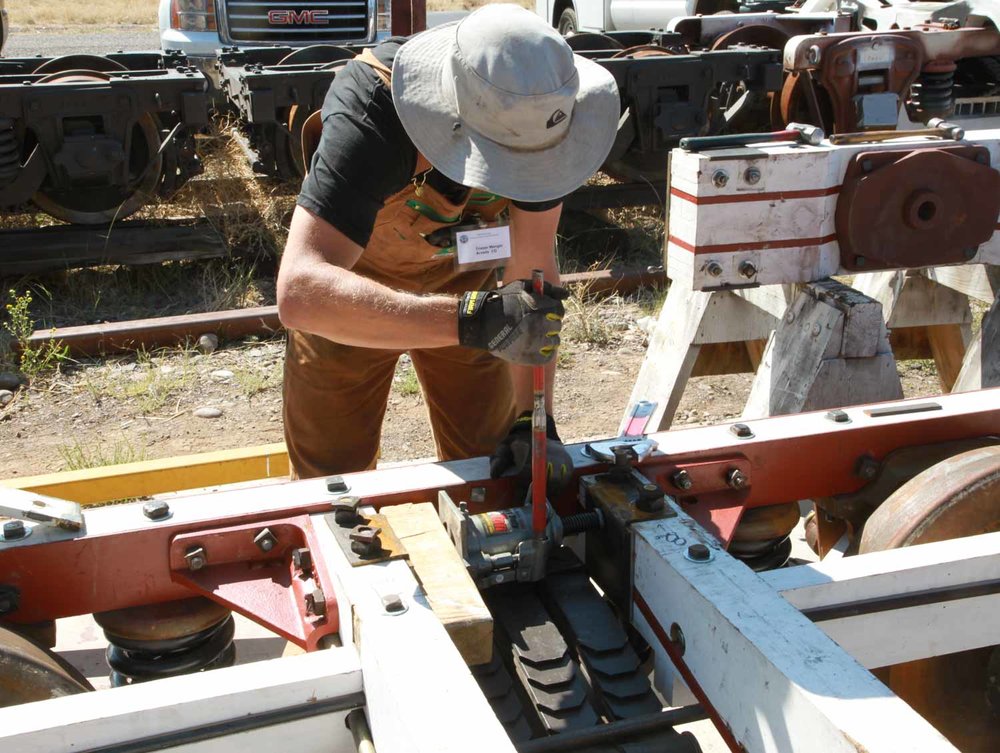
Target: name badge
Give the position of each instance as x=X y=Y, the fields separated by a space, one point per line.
x=482 y=247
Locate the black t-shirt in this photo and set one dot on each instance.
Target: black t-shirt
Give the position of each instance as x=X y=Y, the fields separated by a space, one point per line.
x=365 y=155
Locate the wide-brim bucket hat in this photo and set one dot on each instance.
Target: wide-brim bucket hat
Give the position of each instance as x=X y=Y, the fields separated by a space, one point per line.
x=498 y=101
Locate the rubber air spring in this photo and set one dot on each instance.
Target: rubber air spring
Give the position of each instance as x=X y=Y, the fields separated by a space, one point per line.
x=164 y=640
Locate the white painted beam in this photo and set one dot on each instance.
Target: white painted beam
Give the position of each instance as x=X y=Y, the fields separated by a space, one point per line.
x=776 y=679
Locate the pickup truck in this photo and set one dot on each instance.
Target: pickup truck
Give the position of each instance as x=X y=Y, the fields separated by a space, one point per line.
x=199 y=28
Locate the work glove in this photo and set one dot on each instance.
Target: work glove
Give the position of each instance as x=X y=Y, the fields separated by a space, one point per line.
x=514 y=453
x=513 y=323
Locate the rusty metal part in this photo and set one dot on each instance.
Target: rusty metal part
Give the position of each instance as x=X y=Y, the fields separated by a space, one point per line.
x=167 y=331
x=29 y=672
x=588 y=41
x=101 y=204
x=171 y=619
x=911 y=208
x=79 y=63
x=650 y=50
x=767 y=523
x=954 y=498
x=365 y=539
x=761 y=35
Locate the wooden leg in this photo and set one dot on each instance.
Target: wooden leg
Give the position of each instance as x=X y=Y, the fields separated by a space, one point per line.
x=831 y=349
x=948 y=343
x=981 y=367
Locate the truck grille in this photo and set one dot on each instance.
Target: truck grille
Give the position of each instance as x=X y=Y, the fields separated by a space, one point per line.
x=301 y=22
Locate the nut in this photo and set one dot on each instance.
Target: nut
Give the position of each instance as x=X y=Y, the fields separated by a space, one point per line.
x=156 y=509
x=265 y=540
x=736 y=479
x=393 y=604
x=751 y=175
x=720 y=178
x=14 y=529
x=741 y=430
x=813 y=55
x=748 y=269
x=867 y=467
x=196 y=558
x=365 y=541
x=315 y=602
x=302 y=558
x=682 y=480
x=345 y=511
x=714 y=269
x=699 y=553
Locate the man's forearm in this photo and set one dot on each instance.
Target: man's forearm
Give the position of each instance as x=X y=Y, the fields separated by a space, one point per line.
x=347 y=308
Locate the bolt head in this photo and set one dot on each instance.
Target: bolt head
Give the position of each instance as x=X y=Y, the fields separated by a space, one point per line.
x=14 y=529
x=302 y=558
x=393 y=603
x=736 y=479
x=265 y=540
x=748 y=269
x=741 y=430
x=714 y=269
x=752 y=176
x=682 y=480
x=699 y=553
x=156 y=509
x=196 y=558
x=860 y=261
x=838 y=416
x=720 y=178
x=336 y=485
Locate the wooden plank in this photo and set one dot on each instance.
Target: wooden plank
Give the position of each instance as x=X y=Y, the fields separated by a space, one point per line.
x=130 y=242
x=147 y=477
x=948 y=343
x=450 y=591
x=722 y=358
x=912 y=299
x=981 y=281
x=981 y=367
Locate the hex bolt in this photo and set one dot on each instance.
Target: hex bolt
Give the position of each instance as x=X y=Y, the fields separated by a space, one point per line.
x=336 y=484
x=714 y=269
x=650 y=498
x=682 y=480
x=302 y=558
x=156 y=509
x=748 y=269
x=720 y=178
x=736 y=479
x=838 y=416
x=741 y=430
x=265 y=540
x=751 y=175
x=699 y=553
x=14 y=530
x=393 y=604
x=345 y=511
x=196 y=558
x=315 y=602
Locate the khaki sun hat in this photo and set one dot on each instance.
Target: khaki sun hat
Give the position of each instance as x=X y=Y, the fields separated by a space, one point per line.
x=498 y=101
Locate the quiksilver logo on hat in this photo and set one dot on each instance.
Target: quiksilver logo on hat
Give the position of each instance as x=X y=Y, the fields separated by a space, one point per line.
x=555 y=118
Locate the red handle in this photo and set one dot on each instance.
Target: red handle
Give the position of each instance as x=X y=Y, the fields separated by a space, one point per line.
x=538 y=501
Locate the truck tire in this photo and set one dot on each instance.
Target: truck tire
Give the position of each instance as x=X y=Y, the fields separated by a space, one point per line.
x=568 y=25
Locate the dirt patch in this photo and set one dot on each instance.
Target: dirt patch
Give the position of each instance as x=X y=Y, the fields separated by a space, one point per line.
x=142 y=407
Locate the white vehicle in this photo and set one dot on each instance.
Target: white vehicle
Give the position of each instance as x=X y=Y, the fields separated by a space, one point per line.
x=571 y=16
x=3 y=25
x=199 y=28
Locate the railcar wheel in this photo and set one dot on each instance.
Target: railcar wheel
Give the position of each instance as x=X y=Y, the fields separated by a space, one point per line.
x=99 y=204
x=956 y=497
x=29 y=672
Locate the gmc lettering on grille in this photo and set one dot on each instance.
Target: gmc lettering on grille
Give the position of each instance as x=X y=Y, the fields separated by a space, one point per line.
x=298 y=17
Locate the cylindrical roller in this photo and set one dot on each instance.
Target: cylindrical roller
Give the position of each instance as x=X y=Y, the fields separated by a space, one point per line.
x=29 y=672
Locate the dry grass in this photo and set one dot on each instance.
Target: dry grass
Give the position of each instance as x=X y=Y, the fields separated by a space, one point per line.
x=92 y=13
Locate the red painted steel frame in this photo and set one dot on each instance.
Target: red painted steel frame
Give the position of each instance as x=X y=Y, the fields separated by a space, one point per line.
x=789 y=458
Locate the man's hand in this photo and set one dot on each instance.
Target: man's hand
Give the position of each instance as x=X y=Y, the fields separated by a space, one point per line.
x=514 y=453
x=513 y=322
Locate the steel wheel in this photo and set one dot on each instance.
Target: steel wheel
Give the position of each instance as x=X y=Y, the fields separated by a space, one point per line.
x=957 y=497
x=97 y=205
x=29 y=672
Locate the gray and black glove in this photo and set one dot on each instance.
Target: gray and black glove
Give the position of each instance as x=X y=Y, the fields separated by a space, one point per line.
x=514 y=323
x=514 y=453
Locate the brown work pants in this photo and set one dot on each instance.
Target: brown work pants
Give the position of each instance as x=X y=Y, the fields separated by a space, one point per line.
x=336 y=396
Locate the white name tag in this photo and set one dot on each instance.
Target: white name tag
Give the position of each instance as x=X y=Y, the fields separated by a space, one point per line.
x=479 y=245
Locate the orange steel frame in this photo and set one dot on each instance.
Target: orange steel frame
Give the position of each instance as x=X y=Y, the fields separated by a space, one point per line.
x=123 y=560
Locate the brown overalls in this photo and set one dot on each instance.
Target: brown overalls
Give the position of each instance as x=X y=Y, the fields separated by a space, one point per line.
x=335 y=395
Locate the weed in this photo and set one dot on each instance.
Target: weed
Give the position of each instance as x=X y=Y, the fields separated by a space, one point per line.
x=564 y=356
x=16 y=349
x=254 y=381
x=77 y=456
x=586 y=320
x=153 y=385
x=407 y=382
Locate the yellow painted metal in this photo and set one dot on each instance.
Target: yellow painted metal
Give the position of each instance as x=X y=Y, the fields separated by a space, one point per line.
x=128 y=480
